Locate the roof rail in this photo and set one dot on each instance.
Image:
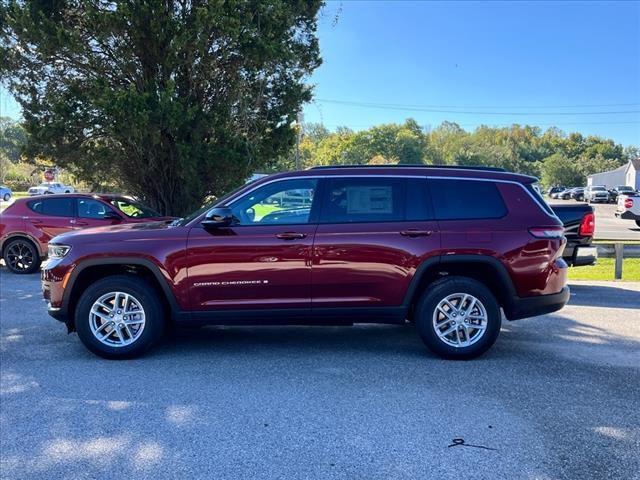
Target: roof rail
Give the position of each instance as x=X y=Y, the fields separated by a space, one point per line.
x=407 y=165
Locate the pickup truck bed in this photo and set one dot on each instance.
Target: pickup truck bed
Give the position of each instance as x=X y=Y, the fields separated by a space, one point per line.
x=575 y=217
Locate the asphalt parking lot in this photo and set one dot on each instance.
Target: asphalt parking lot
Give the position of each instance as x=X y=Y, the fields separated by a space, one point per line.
x=556 y=397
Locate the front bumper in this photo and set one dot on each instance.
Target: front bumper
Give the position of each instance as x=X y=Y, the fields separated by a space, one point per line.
x=523 y=307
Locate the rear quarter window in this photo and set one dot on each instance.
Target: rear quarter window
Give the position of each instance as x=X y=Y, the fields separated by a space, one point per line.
x=54 y=207
x=466 y=199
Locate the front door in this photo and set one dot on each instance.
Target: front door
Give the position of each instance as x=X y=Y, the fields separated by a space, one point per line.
x=263 y=260
x=373 y=234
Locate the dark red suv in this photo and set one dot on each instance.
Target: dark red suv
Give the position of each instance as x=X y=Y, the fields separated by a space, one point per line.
x=27 y=225
x=444 y=248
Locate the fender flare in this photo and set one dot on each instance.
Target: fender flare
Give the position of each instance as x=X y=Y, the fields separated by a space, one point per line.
x=443 y=260
x=136 y=261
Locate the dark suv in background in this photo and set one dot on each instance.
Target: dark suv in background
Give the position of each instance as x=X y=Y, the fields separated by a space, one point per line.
x=445 y=248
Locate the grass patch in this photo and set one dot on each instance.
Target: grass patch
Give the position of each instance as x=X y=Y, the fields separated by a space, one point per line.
x=604 y=270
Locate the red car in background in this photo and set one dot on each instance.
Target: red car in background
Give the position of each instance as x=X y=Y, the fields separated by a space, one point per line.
x=28 y=224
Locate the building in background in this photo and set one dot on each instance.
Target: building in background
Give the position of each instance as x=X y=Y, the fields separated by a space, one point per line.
x=628 y=174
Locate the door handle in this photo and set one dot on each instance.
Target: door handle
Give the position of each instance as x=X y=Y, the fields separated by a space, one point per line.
x=412 y=232
x=290 y=235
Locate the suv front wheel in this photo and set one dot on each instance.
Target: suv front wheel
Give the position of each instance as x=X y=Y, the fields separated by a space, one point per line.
x=458 y=318
x=119 y=317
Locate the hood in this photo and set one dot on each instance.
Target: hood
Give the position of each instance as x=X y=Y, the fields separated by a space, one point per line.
x=115 y=233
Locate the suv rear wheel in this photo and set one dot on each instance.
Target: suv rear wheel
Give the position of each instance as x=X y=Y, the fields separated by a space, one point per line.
x=21 y=256
x=119 y=317
x=458 y=318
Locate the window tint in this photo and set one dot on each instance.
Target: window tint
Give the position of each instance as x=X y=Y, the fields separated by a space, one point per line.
x=418 y=202
x=55 y=207
x=364 y=199
x=466 y=199
x=89 y=208
x=280 y=203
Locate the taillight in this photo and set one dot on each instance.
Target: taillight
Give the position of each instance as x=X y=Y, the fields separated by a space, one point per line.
x=588 y=225
x=628 y=203
x=547 y=232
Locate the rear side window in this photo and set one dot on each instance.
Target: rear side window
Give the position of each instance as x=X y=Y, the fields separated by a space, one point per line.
x=55 y=207
x=466 y=199
x=539 y=199
x=375 y=199
x=363 y=199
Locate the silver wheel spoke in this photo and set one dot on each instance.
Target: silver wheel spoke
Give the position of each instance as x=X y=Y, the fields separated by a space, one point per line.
x=464 y=331
x=117 y=319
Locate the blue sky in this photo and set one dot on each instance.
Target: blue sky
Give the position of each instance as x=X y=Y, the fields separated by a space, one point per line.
x=500 y=55
x=541 y=63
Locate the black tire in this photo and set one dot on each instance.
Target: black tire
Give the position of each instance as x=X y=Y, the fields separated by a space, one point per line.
x=21 y=256
x=438 y=291
x=149 y=300
x=6 y=197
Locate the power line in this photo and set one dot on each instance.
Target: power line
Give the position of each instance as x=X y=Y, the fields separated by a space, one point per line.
x=414 y=108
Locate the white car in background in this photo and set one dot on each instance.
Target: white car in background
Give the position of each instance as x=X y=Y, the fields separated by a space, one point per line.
x=53 y=187
x=629 y=207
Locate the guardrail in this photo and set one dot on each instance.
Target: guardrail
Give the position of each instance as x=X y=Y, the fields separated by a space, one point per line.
x=619 y=250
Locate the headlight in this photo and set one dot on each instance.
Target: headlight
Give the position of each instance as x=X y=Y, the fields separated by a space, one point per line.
x=58 y=251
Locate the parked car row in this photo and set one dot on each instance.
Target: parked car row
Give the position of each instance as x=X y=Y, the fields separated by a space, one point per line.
x=591 y=193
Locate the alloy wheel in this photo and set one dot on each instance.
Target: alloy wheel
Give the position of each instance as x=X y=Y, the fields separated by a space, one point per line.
x=20 y=256
x=460 y=320
x=117 y=319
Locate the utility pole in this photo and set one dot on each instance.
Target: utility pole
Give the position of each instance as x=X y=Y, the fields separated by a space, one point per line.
x=298 y=137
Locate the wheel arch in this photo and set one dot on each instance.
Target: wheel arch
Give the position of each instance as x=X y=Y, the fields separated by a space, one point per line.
x=25 y=236
x=485 y=269
x=90 y=271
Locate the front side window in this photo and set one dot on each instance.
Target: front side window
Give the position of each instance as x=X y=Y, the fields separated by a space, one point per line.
x=54 y=207
x=279 y=203
x=90 y=208
x=466 y=199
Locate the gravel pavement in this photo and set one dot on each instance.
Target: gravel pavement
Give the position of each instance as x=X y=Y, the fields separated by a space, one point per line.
x=558 y=396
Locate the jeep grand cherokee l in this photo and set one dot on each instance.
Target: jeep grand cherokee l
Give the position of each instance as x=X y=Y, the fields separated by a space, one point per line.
x=445 y=248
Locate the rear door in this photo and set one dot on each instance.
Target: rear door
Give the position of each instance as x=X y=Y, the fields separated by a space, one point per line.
x=374 y=232
x=51 y=216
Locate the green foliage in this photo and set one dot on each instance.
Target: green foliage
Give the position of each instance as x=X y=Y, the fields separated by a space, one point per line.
x=170 y=100
x=13 y=139
x=552 y=155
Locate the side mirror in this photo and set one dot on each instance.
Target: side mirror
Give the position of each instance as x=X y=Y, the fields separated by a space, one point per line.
x=218 y=217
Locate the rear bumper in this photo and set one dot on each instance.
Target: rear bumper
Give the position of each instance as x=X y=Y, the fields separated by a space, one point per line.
x=584 y=255
x=523 y=307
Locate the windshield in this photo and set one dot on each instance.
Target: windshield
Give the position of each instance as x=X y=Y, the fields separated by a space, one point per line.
x=133 y=209
x=625 y=188
x=598 y=189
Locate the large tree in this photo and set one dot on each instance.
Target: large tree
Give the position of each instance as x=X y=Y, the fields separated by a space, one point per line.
x=172 y=100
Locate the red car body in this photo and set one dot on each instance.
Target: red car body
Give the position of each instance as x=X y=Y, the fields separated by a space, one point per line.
x=21 y=221
x=320 y=272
